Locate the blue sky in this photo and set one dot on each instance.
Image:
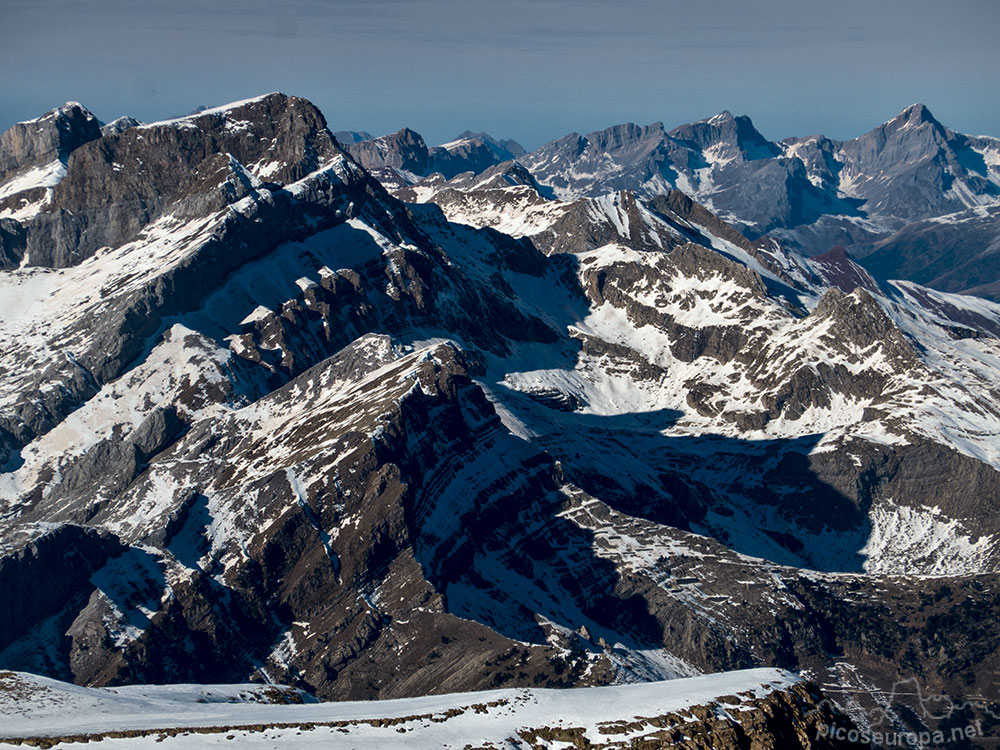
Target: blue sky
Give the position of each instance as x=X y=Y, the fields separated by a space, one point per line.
x=532 y=70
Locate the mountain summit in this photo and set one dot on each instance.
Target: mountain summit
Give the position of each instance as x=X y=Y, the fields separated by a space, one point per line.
x=727 y=137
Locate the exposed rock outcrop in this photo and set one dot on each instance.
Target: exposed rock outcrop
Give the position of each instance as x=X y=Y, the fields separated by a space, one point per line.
x=52 y=137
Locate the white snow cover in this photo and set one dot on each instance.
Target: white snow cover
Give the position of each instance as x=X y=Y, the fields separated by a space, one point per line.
x=38 y=307
x=902 y=535
x=44 y=707
x=223 y=109
x=48 y=175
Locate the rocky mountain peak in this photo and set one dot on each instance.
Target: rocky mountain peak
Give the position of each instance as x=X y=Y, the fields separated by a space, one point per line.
x=509 y=145
x=405 y=149
x=276 y=112
x=119 y=124
x=51 y=137
x=736 y=135
x=861 y=321
x=625 y=135
x=403 y=157
x=915 y=114
x=405 y=136
x=111 y=187
x=475 y=152
x=915 y=127
x=508 y=173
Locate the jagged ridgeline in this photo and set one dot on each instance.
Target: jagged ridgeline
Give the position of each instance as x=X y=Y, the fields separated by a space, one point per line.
x=912 y=198
x=262 y=419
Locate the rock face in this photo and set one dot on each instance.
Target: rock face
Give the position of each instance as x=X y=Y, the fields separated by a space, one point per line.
x=403 y=156
x=473 y=152
x=956 y=253
x=13 y=240
x=404 y=149
x=298 y=430
x=50 y=138
x=65 y=558
x=207 y=163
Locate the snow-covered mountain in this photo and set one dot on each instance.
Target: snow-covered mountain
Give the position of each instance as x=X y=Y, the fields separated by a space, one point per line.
x=907 y=190
x=262 y=419
x=724 y=712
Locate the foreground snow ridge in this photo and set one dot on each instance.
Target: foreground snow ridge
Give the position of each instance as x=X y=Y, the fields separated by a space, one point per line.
x=38 y=707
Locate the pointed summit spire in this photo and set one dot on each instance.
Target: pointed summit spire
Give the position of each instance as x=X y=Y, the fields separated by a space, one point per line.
x=914 y=115
x=916 y=110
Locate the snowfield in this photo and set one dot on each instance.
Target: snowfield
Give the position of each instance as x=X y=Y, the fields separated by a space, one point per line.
x=32 y=706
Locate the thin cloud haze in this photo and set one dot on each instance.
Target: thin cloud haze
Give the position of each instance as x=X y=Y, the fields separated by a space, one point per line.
x=529 y=70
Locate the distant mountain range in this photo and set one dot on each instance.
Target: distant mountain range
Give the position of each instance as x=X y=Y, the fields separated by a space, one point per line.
x=378 y=420
x=910 y=199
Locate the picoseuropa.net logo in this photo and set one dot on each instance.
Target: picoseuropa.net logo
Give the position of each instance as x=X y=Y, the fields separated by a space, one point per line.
x=891 y=738
x=932 y=708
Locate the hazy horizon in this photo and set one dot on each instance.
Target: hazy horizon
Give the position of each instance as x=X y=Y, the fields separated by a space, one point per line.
x=531 y=70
